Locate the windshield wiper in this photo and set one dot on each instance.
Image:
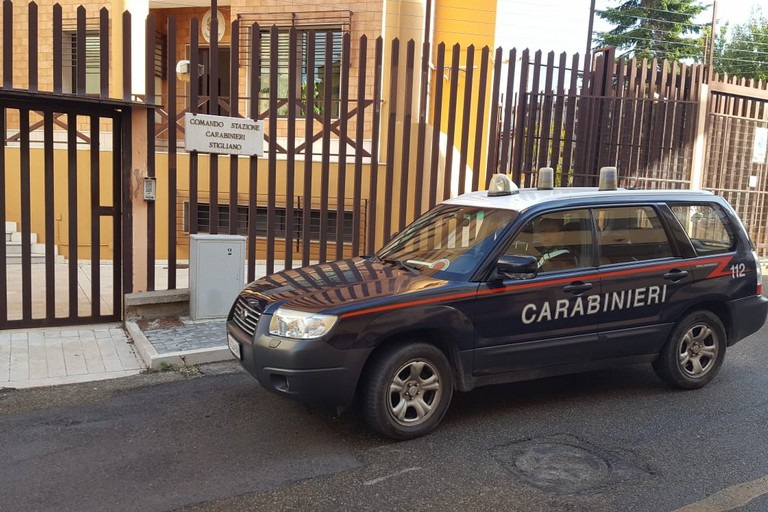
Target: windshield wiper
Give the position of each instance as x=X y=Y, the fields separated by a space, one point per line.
x=401 y=264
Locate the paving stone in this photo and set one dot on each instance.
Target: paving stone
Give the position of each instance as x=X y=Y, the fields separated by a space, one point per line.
x=54 y=357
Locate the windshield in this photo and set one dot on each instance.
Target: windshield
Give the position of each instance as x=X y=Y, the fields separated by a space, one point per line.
x=448 y=242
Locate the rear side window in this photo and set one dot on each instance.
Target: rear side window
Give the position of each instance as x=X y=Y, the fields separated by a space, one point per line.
x=707 y=226
x=631 y=233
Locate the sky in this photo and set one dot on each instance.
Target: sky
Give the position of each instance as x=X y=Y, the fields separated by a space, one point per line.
x=561 y=25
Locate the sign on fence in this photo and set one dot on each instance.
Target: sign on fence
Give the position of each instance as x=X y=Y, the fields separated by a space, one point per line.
x=223 y=135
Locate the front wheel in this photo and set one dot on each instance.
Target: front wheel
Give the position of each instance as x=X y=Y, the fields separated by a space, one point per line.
x=408 y=390
x=694 y=352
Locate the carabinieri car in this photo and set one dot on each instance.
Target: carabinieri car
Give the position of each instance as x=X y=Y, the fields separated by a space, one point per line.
x=503 y=286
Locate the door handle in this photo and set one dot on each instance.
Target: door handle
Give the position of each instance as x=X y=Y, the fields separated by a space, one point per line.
x=676 y=275
x=577 y=288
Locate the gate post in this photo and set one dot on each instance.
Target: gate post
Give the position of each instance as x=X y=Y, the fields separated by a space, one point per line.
x=700 y=139
x=138 y=171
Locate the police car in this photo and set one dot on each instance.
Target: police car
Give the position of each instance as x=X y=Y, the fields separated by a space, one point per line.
x=507 y=285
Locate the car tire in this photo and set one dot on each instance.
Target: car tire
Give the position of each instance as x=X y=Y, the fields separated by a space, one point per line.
x=694 y=351
x=408 y=390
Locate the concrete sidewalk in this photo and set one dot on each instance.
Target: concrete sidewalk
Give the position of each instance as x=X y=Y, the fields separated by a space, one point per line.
x=53 y=356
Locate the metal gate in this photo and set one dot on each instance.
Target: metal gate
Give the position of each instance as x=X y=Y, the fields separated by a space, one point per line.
x=61 y=197
x=735 y=164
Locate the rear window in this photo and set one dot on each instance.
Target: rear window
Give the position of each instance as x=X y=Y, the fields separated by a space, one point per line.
x=708 y=227
x=631 y=233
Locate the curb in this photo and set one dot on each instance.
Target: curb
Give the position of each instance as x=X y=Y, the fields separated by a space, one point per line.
x=155 y=360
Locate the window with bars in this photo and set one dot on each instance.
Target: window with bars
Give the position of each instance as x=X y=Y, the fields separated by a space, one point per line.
x=320 y=86
x=91 y=60
x=204 y=221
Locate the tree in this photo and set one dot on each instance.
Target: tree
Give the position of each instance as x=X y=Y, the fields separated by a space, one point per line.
x=654 y=28
x=745 y=53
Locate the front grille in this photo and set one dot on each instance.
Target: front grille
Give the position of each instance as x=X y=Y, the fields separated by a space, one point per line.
x=246 y=315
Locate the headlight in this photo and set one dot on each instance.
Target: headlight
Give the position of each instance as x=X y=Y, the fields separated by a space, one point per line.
x=300 y=325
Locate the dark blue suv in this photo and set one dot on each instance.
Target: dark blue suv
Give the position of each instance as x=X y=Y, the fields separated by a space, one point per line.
x=503 y=286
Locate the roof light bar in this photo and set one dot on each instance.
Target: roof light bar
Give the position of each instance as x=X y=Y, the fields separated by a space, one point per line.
x=546 y=179
x=608 y=178
x=502 y=185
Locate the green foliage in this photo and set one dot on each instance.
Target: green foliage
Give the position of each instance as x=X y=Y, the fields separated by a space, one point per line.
x=664 y=29
x=745 y=53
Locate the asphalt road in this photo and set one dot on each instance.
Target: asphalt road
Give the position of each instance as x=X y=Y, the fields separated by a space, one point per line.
x=614 y=440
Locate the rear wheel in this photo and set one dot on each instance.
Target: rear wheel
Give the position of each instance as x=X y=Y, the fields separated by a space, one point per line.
x=408 y=390
x=694 y=352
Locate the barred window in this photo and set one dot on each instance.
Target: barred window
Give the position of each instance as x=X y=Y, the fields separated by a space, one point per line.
x=320 y=87
x=91 y=60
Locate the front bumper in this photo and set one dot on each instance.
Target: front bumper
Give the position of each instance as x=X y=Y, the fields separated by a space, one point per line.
x=748 y=316
x=308 y=370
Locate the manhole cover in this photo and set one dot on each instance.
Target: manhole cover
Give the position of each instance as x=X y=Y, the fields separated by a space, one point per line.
x=567 y=467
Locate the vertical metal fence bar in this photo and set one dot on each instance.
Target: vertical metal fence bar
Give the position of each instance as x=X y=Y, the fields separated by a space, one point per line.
x=213 y=108
x=3 y=249
x=391 y=126
x=127 y=56
x=405 y=146
x=421 y=138
x=343 y=132
x=570 y=115
x=436 y=126
x=493 y=125
x=647 y=115
x=253 y=161
x=149 y=79
x=234 y=111
x=465 y=115
x=557 y=138
x=80 y=53
x=7 y=44
x=50 y=214
x=272 y=172
x=194 y=158
x=545 y=135
x=309 y=108
x=359 y=140
x=661 y=110
x=32 y=62
x=172 y=154
x=104 y=52
x=373 y=185
x=290 y=182
x=480 y=119
x=120 y=200
x=616 y=116
x=533 y=115
x=326 y=158
x=26 y=216
x=520 y=114
x=95 y=186
x=604 y=119
x=507 y=162
x=451 y=130
x=57 y=49
x=630 y=132
x=72 y=212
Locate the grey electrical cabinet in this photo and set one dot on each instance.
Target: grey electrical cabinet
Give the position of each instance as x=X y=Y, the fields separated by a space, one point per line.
x=216 y=274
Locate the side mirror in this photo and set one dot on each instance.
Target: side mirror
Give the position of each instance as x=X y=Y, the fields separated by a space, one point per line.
x=517 y=267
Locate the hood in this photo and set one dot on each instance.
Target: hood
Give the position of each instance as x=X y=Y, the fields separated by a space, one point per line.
x=339 y=284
